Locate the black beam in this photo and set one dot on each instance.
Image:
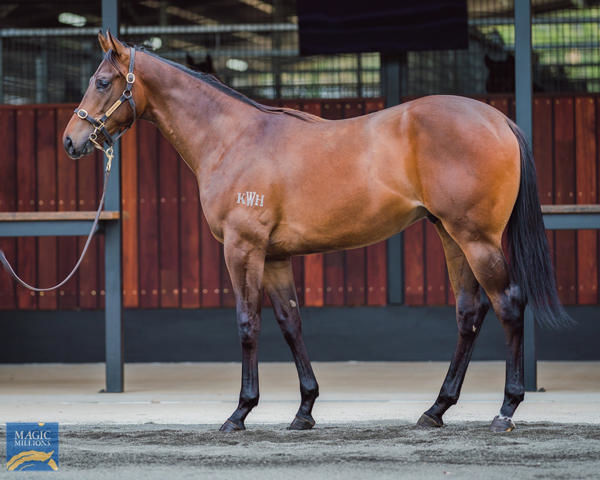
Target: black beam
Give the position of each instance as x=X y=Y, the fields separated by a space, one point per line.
x=114 y=346
x=393 y=72
x=523 y=96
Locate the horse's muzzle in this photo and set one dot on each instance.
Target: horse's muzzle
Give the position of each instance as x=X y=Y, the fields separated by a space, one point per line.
x=74 y=152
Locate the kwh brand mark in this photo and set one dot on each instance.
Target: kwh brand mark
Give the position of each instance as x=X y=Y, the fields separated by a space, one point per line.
x=250 y=199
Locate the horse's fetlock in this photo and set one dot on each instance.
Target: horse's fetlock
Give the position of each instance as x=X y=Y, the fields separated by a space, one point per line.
x=310 y=391
x=249 y=400
x=515 y=391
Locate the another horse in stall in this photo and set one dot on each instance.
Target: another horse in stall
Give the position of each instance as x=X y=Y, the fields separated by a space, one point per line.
x=324 y=185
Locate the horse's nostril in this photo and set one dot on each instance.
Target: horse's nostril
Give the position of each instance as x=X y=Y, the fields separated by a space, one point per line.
x=69 y=145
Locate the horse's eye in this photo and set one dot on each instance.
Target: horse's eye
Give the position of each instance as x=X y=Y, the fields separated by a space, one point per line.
x=102 y=84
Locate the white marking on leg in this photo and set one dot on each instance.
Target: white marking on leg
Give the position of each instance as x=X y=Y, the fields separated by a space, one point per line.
x=293 y=304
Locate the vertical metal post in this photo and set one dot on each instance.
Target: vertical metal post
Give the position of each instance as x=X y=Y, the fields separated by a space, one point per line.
x=112 y=245
x=524 y=94
x=1 y=72
x=392 y=73
x=41 y=77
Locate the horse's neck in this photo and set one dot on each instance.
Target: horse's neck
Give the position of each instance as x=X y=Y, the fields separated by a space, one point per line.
x=198 y=120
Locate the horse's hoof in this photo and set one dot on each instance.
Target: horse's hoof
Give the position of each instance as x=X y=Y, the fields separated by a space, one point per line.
x=502 y=424
x=429 y=422
x=230 y=426
x=302 y=423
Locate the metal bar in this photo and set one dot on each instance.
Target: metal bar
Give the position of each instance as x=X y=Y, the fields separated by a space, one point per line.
x=491 y=21
x=572 y=221
x=529 y=353
x=524 y=97
x=154 y=29
x=112 y=250
x=391 y=77
x=46 y=228
x=1 y=73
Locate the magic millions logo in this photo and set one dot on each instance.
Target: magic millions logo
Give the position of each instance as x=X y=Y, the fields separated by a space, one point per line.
x=32 y=446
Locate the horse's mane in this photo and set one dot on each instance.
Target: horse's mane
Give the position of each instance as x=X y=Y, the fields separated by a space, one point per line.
x=216 y=83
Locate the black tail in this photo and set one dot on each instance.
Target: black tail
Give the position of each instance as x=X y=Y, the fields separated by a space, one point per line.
x=530 y=264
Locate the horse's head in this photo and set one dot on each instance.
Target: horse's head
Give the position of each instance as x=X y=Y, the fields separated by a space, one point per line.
x=111 y=104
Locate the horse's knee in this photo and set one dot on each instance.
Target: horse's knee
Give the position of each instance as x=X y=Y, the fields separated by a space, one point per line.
x=248 y=327
x=470 y=312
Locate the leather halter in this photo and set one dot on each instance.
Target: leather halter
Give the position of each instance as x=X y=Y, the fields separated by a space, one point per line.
x=100 y=125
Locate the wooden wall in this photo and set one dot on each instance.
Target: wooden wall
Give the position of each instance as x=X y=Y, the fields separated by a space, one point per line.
x=170 y=259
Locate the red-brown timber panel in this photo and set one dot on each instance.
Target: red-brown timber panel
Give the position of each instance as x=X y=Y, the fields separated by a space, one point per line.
x=542 y=152
x=67 y=201
x=376 y=276
x=189 y=237
x=587 y=240
x=148 y=215
x=8 y=196
x=314 y=280
x=334 y=262
x=46 y=188
x=564 y=161
x=129 y=222
x=313 y=264
x=87 y=199
x=168 y=179
x=435 y=267
x=26 y=202
x=101 y=263
x=414 y=262
x=598 y=173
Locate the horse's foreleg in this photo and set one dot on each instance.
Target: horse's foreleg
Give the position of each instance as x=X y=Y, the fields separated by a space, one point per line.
x=245 y=263
x=470 y=312
x=279 y=284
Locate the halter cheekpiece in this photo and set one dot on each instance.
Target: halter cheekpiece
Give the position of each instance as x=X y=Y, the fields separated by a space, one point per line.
x=100 y=125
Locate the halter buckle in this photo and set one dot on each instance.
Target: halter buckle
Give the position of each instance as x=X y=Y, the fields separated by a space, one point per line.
x=127 y=94
x=130 y=77
x=81 y=113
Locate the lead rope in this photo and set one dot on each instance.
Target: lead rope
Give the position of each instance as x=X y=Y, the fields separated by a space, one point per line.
x=99 y=126
x=11 y=271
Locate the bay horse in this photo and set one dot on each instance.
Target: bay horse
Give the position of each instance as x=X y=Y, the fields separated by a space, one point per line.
x=276 y=182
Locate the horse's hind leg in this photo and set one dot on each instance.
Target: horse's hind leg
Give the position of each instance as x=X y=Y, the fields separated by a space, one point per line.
x=491 y=270
x=278 y=281
x=471 y=308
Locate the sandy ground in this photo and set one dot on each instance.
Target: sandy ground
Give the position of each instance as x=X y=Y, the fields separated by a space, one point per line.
x=166 y=424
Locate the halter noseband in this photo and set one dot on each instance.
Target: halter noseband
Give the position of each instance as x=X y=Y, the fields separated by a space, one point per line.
x=99 y=125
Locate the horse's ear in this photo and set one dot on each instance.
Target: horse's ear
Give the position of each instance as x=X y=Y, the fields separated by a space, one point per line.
x=117 y=47
x=103 y=41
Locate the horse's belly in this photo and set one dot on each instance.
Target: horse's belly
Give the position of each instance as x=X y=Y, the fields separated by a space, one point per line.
x=325 y=229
